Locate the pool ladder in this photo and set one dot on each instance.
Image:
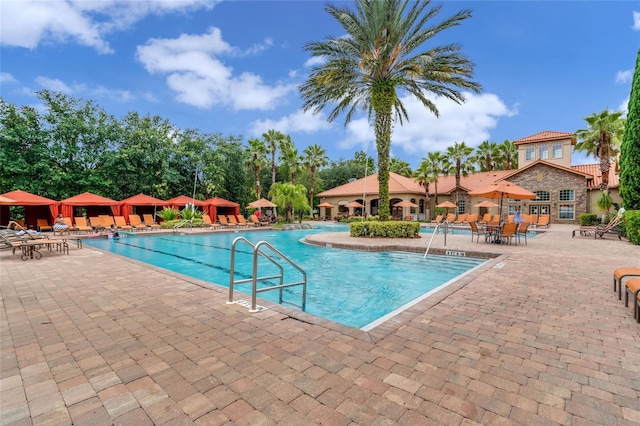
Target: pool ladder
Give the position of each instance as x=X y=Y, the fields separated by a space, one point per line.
x=257 y=251
x=445 y=224
x=178 y=226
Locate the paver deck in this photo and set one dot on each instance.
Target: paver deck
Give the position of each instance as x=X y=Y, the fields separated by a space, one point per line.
x=536 y=336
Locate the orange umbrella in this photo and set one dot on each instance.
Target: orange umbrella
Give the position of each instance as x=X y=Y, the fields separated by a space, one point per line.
x=447 y=205
x=326 y=205
x=486 y=204
x=406 y=203
x=262 y=202
x=503 y=189
x=355 y=205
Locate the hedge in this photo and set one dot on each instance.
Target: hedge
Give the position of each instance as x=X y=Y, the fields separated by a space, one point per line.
x=631 y=225
x=385 y=229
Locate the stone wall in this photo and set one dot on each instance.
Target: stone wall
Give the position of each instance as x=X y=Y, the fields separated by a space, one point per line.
x=544 y=178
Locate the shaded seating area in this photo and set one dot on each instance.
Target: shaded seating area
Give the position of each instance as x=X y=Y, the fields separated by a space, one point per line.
x=217 y=206
x=92 y=206
x=35 y=208
x=141 y=204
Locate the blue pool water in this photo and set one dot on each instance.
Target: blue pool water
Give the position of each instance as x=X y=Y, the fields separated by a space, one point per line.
x=349 y=287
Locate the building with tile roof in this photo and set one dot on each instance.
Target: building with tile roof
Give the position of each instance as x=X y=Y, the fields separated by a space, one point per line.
x=544 y=168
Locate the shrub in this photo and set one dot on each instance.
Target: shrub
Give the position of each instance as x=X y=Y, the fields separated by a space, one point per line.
x=630 y=225
x=170 y=224
x=385 y=229
x=589 y=219
x=168 y=214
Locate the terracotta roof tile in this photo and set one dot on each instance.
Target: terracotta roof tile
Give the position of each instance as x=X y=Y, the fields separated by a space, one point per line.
x=545 y=135
x=397 y=185
x=594 y=170
x=447 y=184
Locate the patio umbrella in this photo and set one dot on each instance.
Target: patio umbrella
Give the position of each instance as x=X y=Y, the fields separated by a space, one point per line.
x=501 y=190
x=406 y=203
x=262 y=202
x=326 y=205
x=486 y=204
x=355 y=205
x=447 y=205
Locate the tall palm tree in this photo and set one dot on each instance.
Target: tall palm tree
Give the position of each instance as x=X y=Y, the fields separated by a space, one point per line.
x=314 y=157
x=601 y=139
x=400 y=167
x=274 y=140
x=438 y=164
x=382 y=53
x=424 y=177
x=459 y=155
x=257 y=160
x=487 y=153
x=289 y=158
x=508 y=155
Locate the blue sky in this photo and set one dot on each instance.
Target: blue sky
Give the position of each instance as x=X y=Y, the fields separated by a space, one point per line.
x=233 y=67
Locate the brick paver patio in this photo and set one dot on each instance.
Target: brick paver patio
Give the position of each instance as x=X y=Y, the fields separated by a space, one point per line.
x=536 y=336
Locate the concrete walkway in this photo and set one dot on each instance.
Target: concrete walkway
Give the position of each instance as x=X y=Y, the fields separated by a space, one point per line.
x=536 y=336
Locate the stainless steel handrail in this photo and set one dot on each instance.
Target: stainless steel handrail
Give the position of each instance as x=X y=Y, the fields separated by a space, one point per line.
x=254 y=278
x=182 y=222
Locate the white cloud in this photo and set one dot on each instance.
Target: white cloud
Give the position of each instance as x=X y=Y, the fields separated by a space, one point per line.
x=470 y=122
x=54 y=84
x=201 y=79
x=624 y=105
x=313 y=61
x=624 y=76
x=28 y=23
x=299 y=121
x=6 y=77
x=636 y=20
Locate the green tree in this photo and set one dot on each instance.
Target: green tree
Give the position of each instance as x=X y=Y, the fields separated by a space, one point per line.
x=273 y=140
x=601 y=140
x=487 y=153
x=507 y=155
x=423 y=176
x=378 y=56
x=289 y=158
x=458 y=155
x=630 y=148
x=257 y=160
x=314 y=157
x=400 y=167
x=289 y=197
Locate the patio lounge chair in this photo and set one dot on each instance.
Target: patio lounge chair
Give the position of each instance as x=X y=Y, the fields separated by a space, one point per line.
x=257 y=221
x=633 y=289
x=486 y=218
x=207 y=221
x=451 y=217
x=243 y=221
x=223 y=221
x=148 y=220
x=543 y=220
x=621 y=273
x=82 y=225
x=107 y=221
x=461 y=219
x=232 y=220
x=122 y=224
x=43 y=225
x=610 y=228
x=438 y=219
x=96 y=223
x=136 y=222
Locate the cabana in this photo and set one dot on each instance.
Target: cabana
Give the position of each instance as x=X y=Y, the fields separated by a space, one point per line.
x=35 y=207
x=143 y=204
x=217 y=205
x=95 y=205
x=183 y=200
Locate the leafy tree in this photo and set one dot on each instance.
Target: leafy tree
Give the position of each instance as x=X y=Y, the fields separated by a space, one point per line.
x=314 y=157
x=273 y=140
x=487 y=153
x=365 y=161
x=400 y=167
x=290 y=159
x=289 y=197
x=378 y=56
x=630 y=148
x=507 y=155
x=24 y=151
x=257 y=160
x=460 y=165
x=428 y=172
x=601 y=139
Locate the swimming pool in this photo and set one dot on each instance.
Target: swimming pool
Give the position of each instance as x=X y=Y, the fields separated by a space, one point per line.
x=348 y=287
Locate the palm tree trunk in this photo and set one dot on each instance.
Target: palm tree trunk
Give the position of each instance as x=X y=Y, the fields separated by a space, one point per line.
x=273 y=166
x=605 y=161
x=313 y=182
x=382 y=99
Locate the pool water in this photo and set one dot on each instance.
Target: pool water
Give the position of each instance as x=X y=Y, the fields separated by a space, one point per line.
x=349 y=287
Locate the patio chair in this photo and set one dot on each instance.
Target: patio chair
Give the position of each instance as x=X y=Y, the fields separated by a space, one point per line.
x=207 y=221
x=257 y=221
x=136 y=222
x=438 y=219
x=633 y=289
x=477 y=231
x=107 y=221
x=522 y=230
x=621 y=273
x=148 y=220
x=43 y=225
x=243 y=221
x=223 y=221
x=82 y=225
x=122 y=224
x=543 y=220
x=232 y=220
x=508 y=233
x=96 y=223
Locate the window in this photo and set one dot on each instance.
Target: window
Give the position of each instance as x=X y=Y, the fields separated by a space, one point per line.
x=543 y=151
x=557 y=149
x=566 y=211
x=461 y=206
x=566 y=195
x=542 y=196
x=529 y=153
